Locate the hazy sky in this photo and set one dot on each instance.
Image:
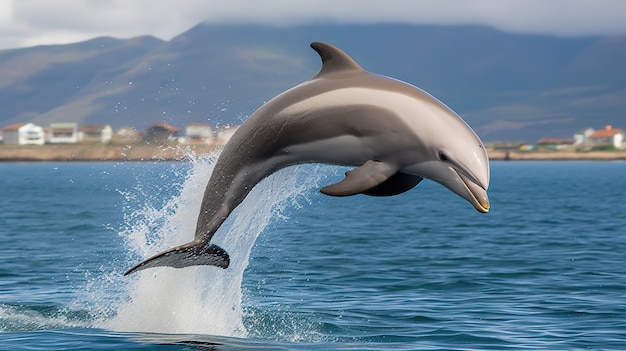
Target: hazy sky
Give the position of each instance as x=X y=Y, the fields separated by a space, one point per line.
x=33 y=22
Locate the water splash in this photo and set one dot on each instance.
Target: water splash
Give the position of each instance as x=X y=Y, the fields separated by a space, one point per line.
x=195 y=300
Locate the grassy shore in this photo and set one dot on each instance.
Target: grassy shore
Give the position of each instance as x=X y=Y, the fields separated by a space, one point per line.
x=146 y=152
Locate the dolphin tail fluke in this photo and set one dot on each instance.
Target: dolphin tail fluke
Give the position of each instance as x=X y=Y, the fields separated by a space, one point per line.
x=191 y=254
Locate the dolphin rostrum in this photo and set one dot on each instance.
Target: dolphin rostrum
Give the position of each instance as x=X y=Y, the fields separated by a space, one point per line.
x=394 y=133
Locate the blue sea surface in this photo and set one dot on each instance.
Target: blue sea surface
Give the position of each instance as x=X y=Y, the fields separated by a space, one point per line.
x=545 y=269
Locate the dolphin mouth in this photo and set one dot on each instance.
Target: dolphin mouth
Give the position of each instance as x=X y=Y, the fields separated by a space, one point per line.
x=479 y=198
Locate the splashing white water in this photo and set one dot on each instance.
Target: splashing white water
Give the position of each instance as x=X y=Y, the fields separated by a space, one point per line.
x=197 y=300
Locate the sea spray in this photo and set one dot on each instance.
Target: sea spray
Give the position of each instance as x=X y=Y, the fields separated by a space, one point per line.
x=196 y=300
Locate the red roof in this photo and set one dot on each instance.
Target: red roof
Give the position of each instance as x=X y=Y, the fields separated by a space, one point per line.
x=14 y=126
x=607 y=132
x=161 y=126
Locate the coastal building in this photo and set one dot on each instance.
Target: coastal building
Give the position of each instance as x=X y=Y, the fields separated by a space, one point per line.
x=96 y=133
x=607 y=137
x=224 y=134
x=23 y=134
x=582 y=138
x=161 y=132
x=126 y=135
x=198 y=133
x=63 y=133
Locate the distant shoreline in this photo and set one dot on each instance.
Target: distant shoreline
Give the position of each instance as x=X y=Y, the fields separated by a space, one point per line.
x=102 y=152
x=498 y=155
x=146 y=152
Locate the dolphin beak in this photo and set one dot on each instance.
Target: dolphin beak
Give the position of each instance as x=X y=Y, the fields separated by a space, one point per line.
x=478 y=195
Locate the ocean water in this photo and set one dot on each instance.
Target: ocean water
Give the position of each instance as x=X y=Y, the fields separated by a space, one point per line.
x=544 y=270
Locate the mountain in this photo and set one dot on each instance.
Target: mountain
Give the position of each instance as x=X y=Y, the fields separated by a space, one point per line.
x=506 y=86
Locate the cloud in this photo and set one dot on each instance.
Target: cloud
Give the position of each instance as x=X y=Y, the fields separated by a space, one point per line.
x=33 y=22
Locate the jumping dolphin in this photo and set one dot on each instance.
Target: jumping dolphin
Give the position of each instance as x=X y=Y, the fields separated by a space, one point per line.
x=395 y=135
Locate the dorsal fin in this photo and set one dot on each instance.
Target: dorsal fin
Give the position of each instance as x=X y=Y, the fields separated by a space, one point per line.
x=333 y=59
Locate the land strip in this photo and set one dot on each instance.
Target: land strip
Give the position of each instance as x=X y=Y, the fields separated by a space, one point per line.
x=147 y=152
x=558 y=155
x=100 y=152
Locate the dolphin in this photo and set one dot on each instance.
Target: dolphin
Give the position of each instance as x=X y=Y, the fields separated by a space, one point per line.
x=394 y=133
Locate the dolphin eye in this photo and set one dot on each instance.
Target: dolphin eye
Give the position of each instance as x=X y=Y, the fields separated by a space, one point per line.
x=443 y=157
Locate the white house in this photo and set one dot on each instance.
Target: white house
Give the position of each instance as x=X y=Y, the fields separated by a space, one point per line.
x=24 y=134
x=126 y=135
x=63 y=133
x=582 y=138
x=98 y=133
x=198 y=133
x=224 y=134
x=608 y=136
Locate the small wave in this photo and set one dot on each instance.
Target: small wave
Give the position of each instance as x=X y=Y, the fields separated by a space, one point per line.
x=286 y=326
x=40 y=317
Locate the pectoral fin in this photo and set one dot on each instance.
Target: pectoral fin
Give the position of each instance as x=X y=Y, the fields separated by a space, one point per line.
x=396 y=184
x=361 y=179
